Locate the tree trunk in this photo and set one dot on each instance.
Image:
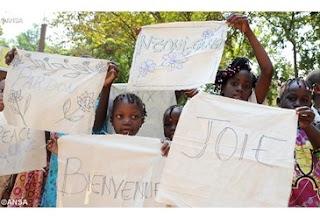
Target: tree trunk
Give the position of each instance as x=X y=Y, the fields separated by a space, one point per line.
x=293 y=41
x=42 y=37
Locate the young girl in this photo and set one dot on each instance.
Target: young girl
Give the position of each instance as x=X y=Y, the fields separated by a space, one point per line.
x=7 y=181
x=50 y=191
x=237 y=81
x=314 y=79
x=296 y=94
x=127 y=116
x=170 y=121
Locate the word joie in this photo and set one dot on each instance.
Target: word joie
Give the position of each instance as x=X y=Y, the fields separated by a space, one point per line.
x=237 y=154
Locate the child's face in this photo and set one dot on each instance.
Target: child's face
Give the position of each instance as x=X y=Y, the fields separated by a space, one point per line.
x=296 y=96
x=1 y=95
x=126 y=118
x=170 y=123
x=239 y=86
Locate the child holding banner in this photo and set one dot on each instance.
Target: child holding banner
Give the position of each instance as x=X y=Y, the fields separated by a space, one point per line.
x=296 y=94
x=26 y=183
x=7 y=181
x=314 y=79
x=237 y=81
x=50 y=190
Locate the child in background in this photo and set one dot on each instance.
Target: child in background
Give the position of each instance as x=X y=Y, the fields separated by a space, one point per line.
x=28 y=185
x=7 y=181
x=237 y=81
x=2 y=83
x=296 y=94
x=314 y=79
x=170 y=121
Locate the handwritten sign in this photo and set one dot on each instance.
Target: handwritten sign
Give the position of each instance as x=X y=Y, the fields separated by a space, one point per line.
x=53 y=92
x=3 y=52
x=21 y=149
x=156 y=104
x=237 y=154
x=176 y=56
x=119 y=171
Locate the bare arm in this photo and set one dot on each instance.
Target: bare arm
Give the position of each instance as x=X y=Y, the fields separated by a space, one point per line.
x=306 y=116
x=101 y=112
x=263 y=83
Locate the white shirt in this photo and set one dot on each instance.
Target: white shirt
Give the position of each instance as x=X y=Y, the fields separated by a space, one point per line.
x=316 y=113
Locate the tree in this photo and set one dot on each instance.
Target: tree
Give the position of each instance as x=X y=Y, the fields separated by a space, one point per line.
x=111 y=35
x=301 y=30
x=3 y=41
x=28 y=40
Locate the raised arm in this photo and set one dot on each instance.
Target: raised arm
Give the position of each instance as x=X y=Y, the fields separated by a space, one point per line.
x=101 y=112
x=241 y=22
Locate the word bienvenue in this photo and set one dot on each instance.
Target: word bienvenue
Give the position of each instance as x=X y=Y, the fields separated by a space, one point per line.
x=105 y=185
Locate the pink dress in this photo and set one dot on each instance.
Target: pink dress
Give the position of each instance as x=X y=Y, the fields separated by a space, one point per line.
x=306 y=177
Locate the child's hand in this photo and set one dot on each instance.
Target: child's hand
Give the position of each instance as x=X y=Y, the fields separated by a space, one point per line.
x=113 y=70
x=190 y=93
x=52 y=144
x=10 y=56
x=165 y=147
x=306 y=116
x=239 y=21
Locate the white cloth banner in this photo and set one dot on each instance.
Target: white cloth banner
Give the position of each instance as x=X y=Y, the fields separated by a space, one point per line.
x=21 y=149
x=156 y=103
x=118 y=171
x=176 y=56
x=237 y=154
x=53 y=92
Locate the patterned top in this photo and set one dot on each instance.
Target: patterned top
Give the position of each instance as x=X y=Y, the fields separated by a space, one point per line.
x=306 y=177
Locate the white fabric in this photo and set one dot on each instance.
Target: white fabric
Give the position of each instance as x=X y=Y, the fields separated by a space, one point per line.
x=108 y=171
x=53 y=92
x=21 y=149
x=156 y=103
x=218 y=162
x=253 y=98
x=176 y=56
x=316 y=113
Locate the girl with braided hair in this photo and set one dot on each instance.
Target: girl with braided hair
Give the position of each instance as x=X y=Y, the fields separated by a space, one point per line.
x=237 y=81
x=305 y=192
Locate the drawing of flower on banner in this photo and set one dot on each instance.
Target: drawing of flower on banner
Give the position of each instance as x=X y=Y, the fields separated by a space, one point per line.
x=174 y=61
x=147 y=67
x=14 y=98
x=207 y=34
x=85 y=103
x=101 y=67
x=49 y=67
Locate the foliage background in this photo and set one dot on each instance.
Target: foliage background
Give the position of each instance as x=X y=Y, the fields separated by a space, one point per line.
x=111 y=35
